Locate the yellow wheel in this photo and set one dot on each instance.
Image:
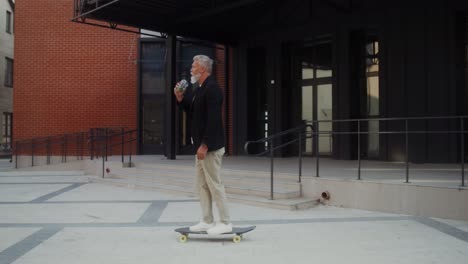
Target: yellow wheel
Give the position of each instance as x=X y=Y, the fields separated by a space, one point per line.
x=183 y=238
x=236 y=239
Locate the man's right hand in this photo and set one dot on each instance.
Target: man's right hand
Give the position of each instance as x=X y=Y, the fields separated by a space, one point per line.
x=179 y=95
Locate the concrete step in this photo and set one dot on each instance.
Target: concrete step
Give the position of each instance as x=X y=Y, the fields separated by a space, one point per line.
x=249 y=177
x=227 y=179
x=285 y=204
x=41 y=173
x=278 y=203
x=293 y=176
x=244 y=187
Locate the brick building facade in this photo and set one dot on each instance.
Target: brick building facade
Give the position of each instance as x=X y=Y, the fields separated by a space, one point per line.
x=70 y=77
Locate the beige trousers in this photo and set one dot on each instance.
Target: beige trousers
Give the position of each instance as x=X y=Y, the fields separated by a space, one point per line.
x=210 y=187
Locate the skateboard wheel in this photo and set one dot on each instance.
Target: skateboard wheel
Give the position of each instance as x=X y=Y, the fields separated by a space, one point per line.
x=236 y=239
x=183 y=238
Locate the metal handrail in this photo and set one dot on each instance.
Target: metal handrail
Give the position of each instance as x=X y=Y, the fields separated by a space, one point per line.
x=271 y=148
x=100 y=136
x=83 y=141
x=121 y=144
x=46 y=144
x=392 y=118
x=406 y=132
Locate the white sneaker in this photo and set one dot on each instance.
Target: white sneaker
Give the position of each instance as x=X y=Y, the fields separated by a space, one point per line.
x=202 y=226
x=220 y=228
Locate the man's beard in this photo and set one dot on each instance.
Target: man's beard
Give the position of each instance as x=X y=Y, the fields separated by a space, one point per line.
x=194 y=79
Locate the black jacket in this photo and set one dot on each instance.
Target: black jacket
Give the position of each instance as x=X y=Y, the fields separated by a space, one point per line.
x=203 y=105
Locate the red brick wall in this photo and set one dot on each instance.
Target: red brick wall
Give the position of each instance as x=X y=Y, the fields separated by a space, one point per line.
x=220 y=58
x=70 y=77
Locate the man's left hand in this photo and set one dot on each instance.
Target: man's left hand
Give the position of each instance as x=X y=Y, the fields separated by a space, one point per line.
x=201 y=152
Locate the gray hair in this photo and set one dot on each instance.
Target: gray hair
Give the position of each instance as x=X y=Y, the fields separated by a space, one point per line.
x=204 y=61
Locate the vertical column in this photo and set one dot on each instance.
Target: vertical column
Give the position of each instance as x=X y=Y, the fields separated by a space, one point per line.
x=170 y=100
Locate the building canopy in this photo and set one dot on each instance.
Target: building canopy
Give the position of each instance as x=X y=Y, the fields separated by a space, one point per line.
x=216 y=20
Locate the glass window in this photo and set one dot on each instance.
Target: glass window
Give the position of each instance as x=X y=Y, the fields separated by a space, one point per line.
x=325 y=112
x=8 y=22
x=373 y=95
x=316 y=66
x=153 y=63
x=372 y=76
x=8 y=72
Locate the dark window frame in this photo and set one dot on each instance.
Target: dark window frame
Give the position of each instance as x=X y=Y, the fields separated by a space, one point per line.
x=8 y=27
x=7 y=131
x=8 y=72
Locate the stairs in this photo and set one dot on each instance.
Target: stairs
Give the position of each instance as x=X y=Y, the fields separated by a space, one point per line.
x=248 y=187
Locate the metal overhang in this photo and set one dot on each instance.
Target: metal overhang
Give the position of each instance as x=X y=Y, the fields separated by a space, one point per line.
x=221 y=21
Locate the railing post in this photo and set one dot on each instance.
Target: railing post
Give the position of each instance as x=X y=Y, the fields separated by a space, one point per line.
x=407 y=150
x=82 y=144
x=130 y=156
x=77 y=143
x=271 y=169
x=103 y=160
x=48 y=151
x=300 y=156
x=123 y=137
x=462 y=140
x=107 y=139
x=32 y=152
x=359 y=148
x=65 y=148
x=91 y=143
x=316 y=149
x=16 y=154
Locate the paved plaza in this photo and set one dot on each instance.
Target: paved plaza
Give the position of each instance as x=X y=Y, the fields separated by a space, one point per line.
x=71 y=219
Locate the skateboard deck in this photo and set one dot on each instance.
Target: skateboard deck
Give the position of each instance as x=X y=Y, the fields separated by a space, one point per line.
x=236 y=231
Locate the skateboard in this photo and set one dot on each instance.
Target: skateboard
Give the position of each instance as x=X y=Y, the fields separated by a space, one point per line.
x=237 y=231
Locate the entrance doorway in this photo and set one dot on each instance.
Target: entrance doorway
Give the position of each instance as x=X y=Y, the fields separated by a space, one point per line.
x=315 y=64
x=257 y=118
x=152 y=96
x=365 y=83
x=152 y=87
x=186 y=50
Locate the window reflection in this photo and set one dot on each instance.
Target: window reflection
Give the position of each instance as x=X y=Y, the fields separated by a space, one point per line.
x=373 y=95
x=316 y=91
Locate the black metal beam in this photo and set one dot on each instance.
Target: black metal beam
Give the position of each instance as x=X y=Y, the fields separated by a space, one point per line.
x=168 y=16
x=340 y=6
x=170 y=144
x=215 y=11
x=98 y=7
x=115 y=27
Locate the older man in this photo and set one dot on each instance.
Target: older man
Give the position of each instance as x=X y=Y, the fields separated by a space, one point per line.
x=203 y=105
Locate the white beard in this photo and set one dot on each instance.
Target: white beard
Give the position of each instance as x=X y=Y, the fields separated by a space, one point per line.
x=194 y=79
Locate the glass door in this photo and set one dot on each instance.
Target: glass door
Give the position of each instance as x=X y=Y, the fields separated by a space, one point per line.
x=325 y=112
x=308 y=114
x=153 y=124
x=373 y=98
x=152 y=96
x=317 y=95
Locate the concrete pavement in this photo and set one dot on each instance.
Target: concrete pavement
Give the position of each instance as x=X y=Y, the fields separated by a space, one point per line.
x=69 y=219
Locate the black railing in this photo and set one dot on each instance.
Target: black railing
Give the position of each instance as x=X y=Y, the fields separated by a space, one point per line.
x=99 y=140
x=85 y=7
x=96 y=142
x=124 y=138
x=302 y=132
x=270 y=148
x=406 y=132
x=46 y=146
